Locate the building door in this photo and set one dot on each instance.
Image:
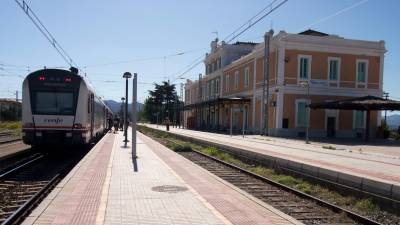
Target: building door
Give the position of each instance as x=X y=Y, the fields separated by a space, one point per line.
x=331 y=126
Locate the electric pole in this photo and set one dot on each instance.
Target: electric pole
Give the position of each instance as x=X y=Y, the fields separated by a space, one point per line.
x=386 y=96
x=181 y=113
x=265 y=94
x=16 y=106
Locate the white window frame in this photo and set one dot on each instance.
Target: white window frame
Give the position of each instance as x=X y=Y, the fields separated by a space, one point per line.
x=246 y=76
x=227 y=83
x=296 y=111
x=354 y=120
x=299 y=57
x=236 y=80
x=338 y=59
x=366 y=72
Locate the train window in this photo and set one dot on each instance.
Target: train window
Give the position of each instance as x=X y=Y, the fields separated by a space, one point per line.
x=61 y=103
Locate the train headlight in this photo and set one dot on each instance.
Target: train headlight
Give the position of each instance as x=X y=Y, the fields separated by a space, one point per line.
x=77 y=126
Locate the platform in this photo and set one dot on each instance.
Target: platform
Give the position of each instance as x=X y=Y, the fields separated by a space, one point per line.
x=11 y=149
x=166 y=188
x=378 y=172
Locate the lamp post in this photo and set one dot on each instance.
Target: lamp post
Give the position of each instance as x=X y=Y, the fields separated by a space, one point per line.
x=126 y=75
x=123 y=111
x=306 y=84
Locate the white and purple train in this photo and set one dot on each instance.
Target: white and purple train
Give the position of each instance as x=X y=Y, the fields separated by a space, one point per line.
x=59 y=107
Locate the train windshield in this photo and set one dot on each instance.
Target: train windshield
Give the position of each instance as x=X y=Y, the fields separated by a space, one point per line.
x=51 y=103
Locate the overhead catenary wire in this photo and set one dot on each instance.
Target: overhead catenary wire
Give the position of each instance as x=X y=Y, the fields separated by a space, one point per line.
x=46 y=33
x=146 y=58
x=232 y=36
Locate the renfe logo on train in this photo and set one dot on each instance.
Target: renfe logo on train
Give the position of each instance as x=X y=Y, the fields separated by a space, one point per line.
x=56 y=120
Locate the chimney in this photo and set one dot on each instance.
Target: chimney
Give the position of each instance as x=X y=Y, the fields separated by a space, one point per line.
x=214 y=45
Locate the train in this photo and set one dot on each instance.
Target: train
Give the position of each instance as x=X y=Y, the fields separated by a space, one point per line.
x=59 y=107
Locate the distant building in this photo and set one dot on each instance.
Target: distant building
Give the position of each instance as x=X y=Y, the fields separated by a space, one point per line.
x=334 y=67
x=10 y=109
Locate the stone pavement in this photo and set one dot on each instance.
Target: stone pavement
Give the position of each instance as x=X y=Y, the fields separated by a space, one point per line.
x=375 y=167
x=166 y=189
x=132 y=200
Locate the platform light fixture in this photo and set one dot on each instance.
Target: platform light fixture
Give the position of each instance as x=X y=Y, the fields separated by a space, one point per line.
x=126 y=75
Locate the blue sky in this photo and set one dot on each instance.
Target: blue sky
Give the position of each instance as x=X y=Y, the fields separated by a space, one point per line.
x=101 y=32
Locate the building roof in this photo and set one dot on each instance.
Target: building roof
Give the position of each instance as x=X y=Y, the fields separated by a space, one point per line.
x=313 y=33
x=362 y=103
x=245 y=43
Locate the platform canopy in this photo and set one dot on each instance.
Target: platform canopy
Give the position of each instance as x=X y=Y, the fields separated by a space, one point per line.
x=232 y=100
x=367 y=103
x=362 y=103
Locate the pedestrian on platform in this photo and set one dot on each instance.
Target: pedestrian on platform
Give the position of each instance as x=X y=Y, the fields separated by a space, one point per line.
x=110 y=124
x=116 y=124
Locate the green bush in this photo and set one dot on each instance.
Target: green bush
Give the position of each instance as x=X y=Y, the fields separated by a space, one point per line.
x=10 y=125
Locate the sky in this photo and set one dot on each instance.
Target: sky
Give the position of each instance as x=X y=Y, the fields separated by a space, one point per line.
x=160 y=39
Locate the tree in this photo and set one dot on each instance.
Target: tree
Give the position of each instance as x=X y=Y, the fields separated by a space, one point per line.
x=161 y=103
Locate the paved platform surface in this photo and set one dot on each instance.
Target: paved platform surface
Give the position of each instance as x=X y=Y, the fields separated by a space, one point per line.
x=104 y=188
x=9 y=149
x=380 y=167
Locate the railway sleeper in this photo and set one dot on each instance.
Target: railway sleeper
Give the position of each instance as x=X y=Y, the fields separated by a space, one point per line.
x=19 y=201
x=11 y=208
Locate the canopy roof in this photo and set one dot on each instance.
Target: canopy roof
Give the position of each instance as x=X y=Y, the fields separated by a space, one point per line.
x=365 y=103
x=232 y=100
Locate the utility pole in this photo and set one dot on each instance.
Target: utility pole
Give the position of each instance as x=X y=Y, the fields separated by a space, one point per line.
x=386 y=96
x=265 y=94
x=16 y=106
x=181 y=108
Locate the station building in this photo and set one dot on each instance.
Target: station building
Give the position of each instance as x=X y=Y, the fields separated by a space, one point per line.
x=304 y=68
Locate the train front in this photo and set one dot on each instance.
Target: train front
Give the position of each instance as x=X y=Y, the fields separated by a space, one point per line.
x=49 y=103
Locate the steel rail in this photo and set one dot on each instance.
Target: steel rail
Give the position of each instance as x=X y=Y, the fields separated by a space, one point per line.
x=16 y=168
x=18 y=215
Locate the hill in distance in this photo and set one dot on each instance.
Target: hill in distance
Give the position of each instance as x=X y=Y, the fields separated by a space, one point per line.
x=116 y=106
x=393 y=121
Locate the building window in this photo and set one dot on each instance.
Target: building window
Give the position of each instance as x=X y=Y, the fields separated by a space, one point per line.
x=217 y=87
x=219 y=63
x=304 y=68
x=208 y=89
x=236 y=79
x=301 y=114
x=334 y=68
x=212 y=88
x=227 y=84
x=359 y=119
x=246 y=76
x=361 y=71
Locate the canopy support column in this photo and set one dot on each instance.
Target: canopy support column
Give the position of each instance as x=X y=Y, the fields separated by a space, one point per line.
x=367 y=125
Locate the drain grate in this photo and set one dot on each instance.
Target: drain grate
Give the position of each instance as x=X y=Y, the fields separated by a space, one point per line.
x=169 y=188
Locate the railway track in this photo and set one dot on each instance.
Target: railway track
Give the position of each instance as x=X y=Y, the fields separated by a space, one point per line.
x=301 y=206
x=23 y=186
